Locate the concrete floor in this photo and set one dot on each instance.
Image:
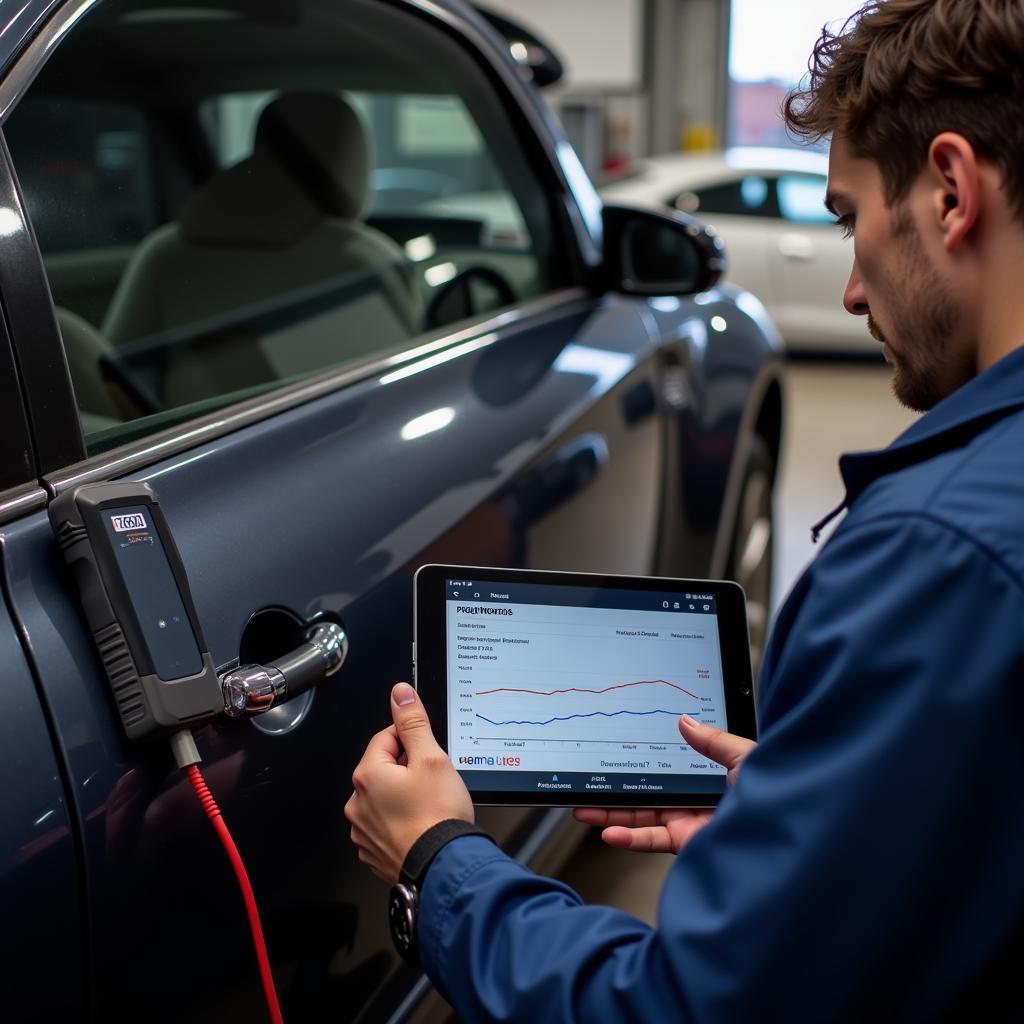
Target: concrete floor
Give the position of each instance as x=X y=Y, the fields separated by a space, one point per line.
x=831 y=408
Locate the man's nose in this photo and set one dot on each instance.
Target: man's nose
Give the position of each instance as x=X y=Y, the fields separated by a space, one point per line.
x=854 y=298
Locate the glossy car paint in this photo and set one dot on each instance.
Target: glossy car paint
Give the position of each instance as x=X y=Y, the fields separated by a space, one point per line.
x=40 y=885
x=598 y=432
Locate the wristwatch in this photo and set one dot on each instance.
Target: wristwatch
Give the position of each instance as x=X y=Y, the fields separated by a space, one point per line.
x=404 y=902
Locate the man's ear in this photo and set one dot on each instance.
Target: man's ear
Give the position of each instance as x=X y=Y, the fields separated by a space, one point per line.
x=954 y=179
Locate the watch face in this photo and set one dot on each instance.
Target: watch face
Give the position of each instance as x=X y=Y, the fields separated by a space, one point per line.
x=402 y=908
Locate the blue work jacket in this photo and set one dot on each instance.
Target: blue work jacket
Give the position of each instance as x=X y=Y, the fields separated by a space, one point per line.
x=869 y=863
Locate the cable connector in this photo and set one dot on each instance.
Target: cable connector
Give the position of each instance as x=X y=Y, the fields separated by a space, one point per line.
x=183 y=745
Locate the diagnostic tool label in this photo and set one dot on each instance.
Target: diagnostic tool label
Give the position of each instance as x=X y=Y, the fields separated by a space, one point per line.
x=154 y=595
x=126 y=523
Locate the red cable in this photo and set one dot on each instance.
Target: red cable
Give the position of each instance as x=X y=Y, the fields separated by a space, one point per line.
x=195 y=776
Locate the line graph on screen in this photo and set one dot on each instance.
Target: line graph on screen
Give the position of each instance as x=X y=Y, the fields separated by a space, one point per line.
x=648 y=708
x=581 y=679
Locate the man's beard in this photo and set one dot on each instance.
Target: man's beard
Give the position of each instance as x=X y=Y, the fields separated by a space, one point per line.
x=924 y=321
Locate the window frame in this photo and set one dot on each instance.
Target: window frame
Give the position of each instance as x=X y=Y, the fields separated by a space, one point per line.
x=24 y=288
x=18 y=471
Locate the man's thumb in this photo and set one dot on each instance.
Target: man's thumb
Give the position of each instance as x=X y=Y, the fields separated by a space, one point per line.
x=411 y=721
x=724 y=747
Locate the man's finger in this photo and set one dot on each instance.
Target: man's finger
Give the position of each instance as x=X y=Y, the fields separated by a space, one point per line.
x=360 y=838
x=591 y=815
x=602 y=817
x=383 y=746
x=412 y=723
x=654 y=839
x=383 y=749
x=724 y=747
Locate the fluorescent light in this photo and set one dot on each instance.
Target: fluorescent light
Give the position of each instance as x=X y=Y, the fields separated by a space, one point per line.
x=440 y=274
x=10 y=222
x=605 y=367
x=436 y=360
x=422 y=247
x=428 y=423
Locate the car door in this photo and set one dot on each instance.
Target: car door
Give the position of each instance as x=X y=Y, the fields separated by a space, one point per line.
x=811 y=268
x=41 y=887
x=298 y=490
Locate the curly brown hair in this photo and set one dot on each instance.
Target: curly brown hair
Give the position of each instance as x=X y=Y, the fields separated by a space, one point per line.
x=900 y=72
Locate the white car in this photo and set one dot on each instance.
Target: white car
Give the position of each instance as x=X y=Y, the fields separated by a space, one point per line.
x=782 y=244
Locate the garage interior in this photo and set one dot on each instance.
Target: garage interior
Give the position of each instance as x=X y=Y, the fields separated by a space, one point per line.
x=671 y=105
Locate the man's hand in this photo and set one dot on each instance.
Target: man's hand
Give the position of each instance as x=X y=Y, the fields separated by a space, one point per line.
x=403 y=785
x=669 y=831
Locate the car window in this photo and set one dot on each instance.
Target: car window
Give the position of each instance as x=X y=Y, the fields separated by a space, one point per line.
x=427 y=157
x=225 y=204
x=747 y=196
x=802 y=198
x=100 y=147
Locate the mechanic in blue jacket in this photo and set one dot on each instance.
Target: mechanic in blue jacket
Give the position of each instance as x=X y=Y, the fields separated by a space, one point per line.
x=868 y=863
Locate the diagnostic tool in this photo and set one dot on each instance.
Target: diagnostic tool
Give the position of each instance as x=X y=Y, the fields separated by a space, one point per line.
x=136 y=598
x=556 y=688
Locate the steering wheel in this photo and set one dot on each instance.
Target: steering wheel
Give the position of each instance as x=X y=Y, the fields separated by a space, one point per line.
x=459 y=297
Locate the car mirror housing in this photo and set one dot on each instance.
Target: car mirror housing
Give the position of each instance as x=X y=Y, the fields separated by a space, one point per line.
x=650 y=252
x=539 y=63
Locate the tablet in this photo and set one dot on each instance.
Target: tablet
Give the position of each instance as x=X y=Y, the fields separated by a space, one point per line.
x=565 y=689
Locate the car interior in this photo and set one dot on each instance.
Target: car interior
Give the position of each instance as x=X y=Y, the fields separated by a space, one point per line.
x=234 y=195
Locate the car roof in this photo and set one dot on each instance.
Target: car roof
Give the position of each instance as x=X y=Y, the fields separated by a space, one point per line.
x=30 y=15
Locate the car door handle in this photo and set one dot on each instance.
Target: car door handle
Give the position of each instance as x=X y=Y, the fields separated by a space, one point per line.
x=253 y=689
x=796 y=247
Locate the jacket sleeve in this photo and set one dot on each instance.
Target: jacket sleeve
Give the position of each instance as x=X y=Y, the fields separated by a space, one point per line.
x=866 y=865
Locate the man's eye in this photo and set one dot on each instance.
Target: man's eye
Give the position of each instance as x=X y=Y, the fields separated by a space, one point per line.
x=846 y=224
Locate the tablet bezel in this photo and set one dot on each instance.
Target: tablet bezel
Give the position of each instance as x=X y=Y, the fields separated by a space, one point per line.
x=430 y=666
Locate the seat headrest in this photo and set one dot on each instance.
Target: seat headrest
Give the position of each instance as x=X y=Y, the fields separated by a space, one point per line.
x=319 y=138
x=309 y=160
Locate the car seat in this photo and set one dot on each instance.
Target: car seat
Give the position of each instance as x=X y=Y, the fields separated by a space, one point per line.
x=274 y=239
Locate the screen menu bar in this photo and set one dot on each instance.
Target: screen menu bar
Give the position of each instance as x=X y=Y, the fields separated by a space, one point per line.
x=689 y=602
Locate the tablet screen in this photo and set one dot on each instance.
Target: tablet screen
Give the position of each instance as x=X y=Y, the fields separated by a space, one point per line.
x=578 y=689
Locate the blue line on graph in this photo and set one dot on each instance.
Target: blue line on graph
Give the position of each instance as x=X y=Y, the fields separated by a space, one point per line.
x=592 y=714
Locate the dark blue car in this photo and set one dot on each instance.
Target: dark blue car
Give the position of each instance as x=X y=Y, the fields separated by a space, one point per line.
x=325 y=274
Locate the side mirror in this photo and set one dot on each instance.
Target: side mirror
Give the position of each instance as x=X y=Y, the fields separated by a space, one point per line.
x=537 y=61
x=650 y=252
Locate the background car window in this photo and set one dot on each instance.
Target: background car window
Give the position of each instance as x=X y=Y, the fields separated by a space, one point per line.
x=748 y=196
x=224 y=205
x=802 y=199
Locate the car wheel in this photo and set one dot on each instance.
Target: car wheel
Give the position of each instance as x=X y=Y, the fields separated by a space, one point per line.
x=751 y=554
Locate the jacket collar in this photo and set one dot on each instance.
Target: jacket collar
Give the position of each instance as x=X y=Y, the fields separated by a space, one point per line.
x=972 y=408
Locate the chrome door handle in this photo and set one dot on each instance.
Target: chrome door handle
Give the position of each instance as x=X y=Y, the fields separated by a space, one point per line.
x=796 y=247
x=253 y=689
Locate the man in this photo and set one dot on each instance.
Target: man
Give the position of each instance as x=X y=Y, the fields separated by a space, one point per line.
x=867 y=863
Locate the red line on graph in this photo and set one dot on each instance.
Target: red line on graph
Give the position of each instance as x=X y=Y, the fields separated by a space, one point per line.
x=581 y=689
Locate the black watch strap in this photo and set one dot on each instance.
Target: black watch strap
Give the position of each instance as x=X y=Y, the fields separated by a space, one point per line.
x=426 y=848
